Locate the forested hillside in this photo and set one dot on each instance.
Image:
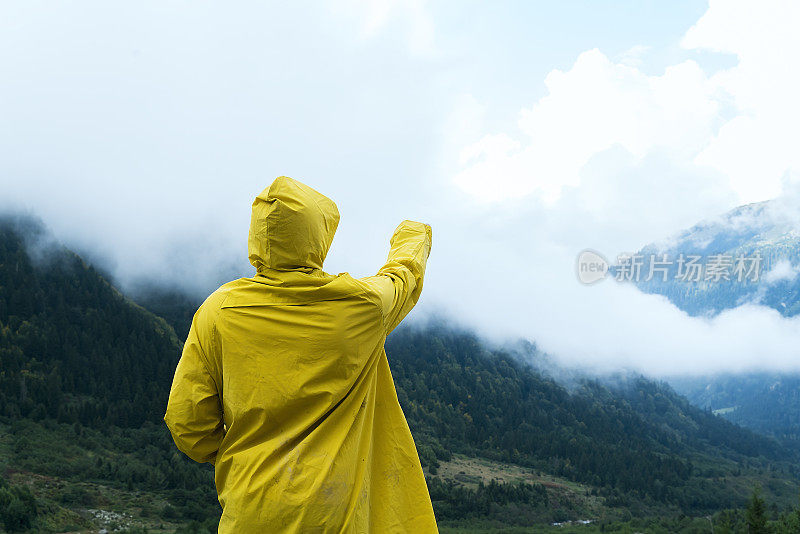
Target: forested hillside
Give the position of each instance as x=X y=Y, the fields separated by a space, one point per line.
x=638 y=441
x=766 y=402
x=85 y=372
x=72 y=347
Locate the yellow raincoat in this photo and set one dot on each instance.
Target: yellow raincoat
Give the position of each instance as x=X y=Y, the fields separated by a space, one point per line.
x=284 y=385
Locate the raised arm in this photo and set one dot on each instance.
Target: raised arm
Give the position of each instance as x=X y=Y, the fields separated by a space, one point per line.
x=194 y=411
x=399 y=281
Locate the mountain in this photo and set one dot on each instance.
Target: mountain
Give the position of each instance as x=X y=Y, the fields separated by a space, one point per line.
x=766 y=402
x=765 y=235
x=635 y=440
x=72 y=346
x=85 y=373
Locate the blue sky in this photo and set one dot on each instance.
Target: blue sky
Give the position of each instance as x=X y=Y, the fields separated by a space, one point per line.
x=522 y=131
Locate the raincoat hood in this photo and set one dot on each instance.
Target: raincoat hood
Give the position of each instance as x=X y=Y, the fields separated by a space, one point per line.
x=291 y=227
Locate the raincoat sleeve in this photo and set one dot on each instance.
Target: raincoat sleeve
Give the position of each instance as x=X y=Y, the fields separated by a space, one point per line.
x=399 y=282
x=194 y=410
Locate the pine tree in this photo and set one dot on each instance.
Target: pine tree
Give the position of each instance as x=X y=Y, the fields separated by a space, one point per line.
x=756 y=513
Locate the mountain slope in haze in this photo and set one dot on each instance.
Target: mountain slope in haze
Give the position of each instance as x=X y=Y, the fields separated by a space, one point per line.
x=767 y=230
x=766 y=402
x=83 y=365
x=73 y=347
x=173 y=305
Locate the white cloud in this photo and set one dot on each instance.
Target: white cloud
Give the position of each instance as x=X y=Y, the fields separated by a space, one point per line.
x=759 y=145
x=612 y=158
x=148 y=148
x=782 y=271
x=599 y=103
x=143 y=134
x=594 y=106
x=634 y=56
x=377 y=16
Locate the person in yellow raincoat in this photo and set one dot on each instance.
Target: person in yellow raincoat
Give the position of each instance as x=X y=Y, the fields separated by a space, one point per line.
x=284 y=384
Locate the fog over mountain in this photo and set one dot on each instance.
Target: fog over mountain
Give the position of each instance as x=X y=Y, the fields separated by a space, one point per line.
x=141 y=135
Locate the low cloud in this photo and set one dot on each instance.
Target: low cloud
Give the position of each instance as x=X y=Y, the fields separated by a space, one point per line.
x=145 y=152
x=782 y=271
x=612 y=158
